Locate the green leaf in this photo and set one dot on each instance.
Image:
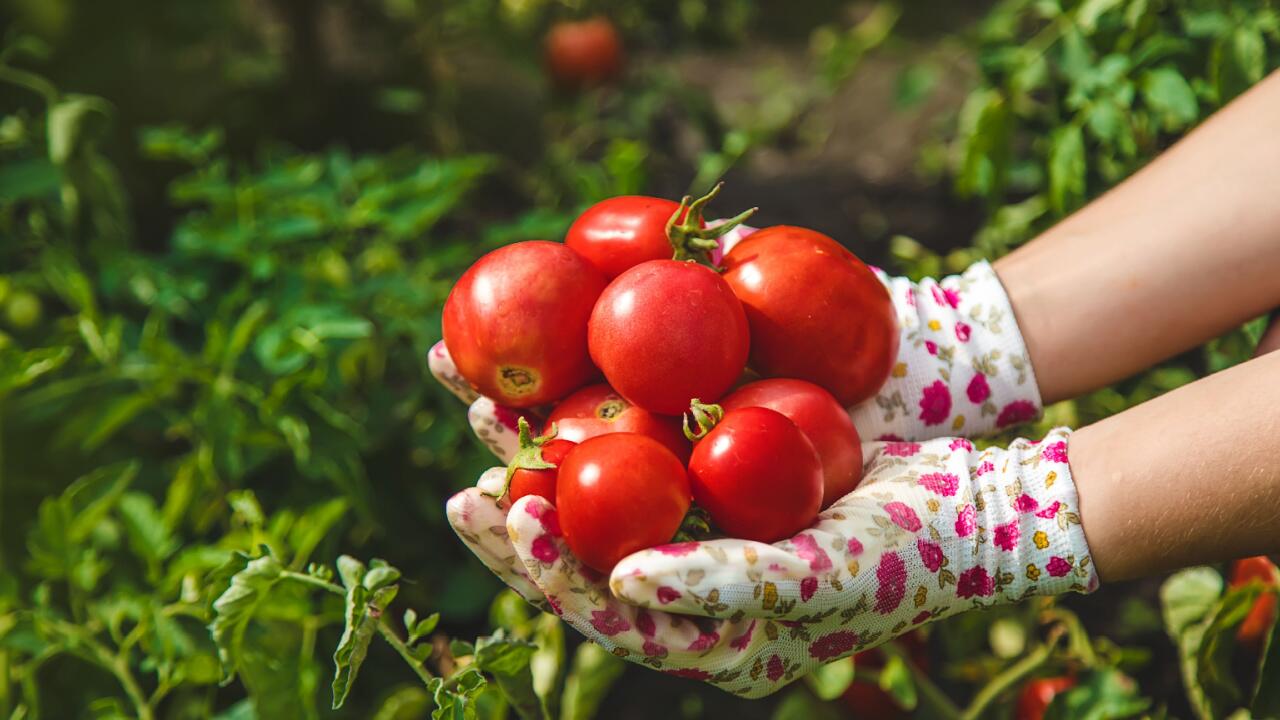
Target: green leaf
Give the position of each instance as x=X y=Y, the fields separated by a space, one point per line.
x=236 y=606
x=1105 y=694
x=1187 y=597
x=1214 y=674
x=313 y=526
x=507 y=660
x=73 y=121
x=592 y=674
x=149 y=537
x=457 y=700
x=1066 y=169
x=1091 y=10
x=800 y=705
x=1266 y=694
x=896 y=679
x=409 y=702
x=830 y=681
x=19 y=369
x=548 y=661
x=1171 y=97
x=984 y=136
x=364 y=608
x=1249 y=51
x=419 y=629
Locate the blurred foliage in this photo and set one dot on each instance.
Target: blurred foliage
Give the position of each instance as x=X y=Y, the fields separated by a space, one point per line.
x=224 y=257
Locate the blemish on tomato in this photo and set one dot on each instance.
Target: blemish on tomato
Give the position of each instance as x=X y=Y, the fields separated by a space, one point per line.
x=517 y=381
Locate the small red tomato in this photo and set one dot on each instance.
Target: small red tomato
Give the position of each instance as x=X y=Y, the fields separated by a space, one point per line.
x=618 y=494
x=515 y=322
x=822 y=420
x=1037 y=694
x=666 y=332
x=757 y=475
x=816 y=311
x=583 y=54
x=541 y=481
x=621 y=232
x=598 y=410
x=1262 y=615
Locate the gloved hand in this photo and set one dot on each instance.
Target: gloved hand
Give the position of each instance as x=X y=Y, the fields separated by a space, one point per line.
x=935 y=528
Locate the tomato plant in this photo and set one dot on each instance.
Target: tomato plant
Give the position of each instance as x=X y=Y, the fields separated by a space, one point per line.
x=515 y=322
x=816 y=311
x=598 y=410
x=755 y=473
x=1262 y=615
x=617 y=494
x=822 y=420
x=666 y=332
x=584 y=53
x=1036 y=696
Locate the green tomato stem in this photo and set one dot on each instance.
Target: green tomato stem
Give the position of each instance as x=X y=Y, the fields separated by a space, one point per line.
x=692 y=242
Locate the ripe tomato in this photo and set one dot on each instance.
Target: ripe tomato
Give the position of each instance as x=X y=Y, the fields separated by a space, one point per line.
x=666 y=332
x=1258 y=622
x=1037 y=694
x=757 y=475
x=583 y=54
x=622 y=232
x=618 y=494
x=540 y=481
x=822 y=420
x=515 y=322
x=816 y=311
x=598 y=410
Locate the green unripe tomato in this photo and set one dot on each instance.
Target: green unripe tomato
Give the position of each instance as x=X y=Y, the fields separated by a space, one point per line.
x=22 y=310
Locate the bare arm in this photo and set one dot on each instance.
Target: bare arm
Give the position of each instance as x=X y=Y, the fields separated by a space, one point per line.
x=1179 y=253
x=1190 y=477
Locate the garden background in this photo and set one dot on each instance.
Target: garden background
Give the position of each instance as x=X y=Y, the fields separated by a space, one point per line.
x=226 y=231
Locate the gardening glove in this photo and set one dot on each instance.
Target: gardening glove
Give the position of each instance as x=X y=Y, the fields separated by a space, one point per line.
x=935 y=528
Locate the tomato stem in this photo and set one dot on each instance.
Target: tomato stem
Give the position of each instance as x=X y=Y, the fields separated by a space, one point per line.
x=705 y=416
x=695 y=526
x=690 y=240
x=529 y=456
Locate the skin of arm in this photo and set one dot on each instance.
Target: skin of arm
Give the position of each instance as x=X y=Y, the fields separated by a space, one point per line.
x=1182 y=251
x=1188 y=478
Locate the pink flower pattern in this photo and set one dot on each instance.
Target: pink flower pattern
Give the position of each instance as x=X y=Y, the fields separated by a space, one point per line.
x=903 y=516
x=930 y=554
x=892 y=576
x=806 y=548
x=834 y=645
x=966 y=521
x=975 y=582
x=944 y=484
x=1018 y=411
x=935 y=403
x=1055 y=452
x=978 y=389
x=900 y=449
x=1006 y=535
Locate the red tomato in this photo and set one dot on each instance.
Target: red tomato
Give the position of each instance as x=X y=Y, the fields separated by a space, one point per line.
x=822 y=420
x=1262 y=615
x=622 y=232
x=540 y=481
x=757 y=475
x=1037 y=694
x=598 y=410
x=816 y=311
x=583 y=54
x=618 y=494
x=516 y=322
x=666 y=332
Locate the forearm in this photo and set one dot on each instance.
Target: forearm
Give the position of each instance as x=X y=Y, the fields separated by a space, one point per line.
x=1190 y=477
x=1184 y=250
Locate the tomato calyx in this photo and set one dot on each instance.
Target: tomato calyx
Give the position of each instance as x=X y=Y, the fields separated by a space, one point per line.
x=528 y=457
x=690 y=240
x=695 y=526
x=705 y=417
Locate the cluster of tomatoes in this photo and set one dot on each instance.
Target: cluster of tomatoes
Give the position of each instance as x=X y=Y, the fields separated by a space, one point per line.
x=641 y=294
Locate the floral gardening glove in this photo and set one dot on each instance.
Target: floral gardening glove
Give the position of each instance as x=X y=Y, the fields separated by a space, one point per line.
x=934 y=529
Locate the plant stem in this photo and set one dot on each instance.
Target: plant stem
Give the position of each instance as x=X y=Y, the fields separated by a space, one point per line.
x=930 y=693
x=313 y=581
x=117 y=665
x=1013 y=675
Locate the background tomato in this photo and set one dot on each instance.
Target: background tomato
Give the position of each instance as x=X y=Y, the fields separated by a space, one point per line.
x=757 y=475
x=584 y=53
x=666 y=332
x=622 y=232
x=816 y=311
x=1037 y=694
x=822 y=420
x=540 y=481
x=1258 y=622
x=617 y=494
x=599 y=410
x=516 y=322
x=865 y=699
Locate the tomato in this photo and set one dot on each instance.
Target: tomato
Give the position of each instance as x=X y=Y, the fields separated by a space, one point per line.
x=816 y=311
x=1262 y=615
x=666 y=332
x=515 y=323
x=1037 y=694
x=822 y=420
x=583 y=54
x=599 y=410
x=757 y=475
x=618 y=494
x=540 y=481
x=622 y=232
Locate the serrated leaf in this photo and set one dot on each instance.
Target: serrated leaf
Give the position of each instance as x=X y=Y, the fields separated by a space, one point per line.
x=350 y=570
x=830 y=681
x=148 y=535
x=364 y=608
x=235 y=607
x=592 y=674
x=507 y=660
x=458 y=700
